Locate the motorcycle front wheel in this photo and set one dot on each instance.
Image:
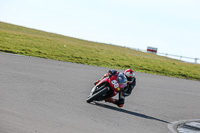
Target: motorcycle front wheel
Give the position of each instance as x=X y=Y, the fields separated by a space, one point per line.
x=97 y=95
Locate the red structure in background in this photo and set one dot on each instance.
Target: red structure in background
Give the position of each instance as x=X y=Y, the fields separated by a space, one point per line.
x=152 y=50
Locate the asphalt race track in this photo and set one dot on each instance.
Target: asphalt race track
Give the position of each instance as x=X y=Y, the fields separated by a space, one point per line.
x=46 y=96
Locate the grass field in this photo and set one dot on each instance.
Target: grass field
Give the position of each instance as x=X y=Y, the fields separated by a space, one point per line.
x=31 y=42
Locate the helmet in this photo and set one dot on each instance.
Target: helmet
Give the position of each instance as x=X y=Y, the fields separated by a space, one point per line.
x=130 y=75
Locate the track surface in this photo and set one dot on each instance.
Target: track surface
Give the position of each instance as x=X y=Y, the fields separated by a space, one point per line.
x=47 y=96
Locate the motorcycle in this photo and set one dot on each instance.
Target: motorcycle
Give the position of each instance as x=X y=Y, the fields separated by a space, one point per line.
x=107 y=87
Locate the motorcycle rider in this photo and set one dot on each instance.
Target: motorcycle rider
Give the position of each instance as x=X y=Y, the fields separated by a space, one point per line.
x=130 y=75
x=131 y=82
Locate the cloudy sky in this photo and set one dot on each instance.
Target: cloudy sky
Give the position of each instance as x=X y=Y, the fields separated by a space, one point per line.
x=172 y=26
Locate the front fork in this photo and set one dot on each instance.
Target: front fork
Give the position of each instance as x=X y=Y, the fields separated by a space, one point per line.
x=96 y=89
x=92 y=91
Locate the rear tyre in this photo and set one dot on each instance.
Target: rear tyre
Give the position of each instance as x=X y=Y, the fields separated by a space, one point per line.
x=97 y=95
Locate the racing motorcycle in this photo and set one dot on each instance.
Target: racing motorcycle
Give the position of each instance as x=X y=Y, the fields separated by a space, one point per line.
x=107 y=87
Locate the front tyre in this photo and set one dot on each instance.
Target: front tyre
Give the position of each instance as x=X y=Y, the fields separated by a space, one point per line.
x=97 y=95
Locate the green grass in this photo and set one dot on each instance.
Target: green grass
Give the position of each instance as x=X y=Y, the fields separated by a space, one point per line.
x=31 y=42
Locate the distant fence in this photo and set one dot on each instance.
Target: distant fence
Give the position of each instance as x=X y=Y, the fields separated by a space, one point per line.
x=178 y=57
x=182 y=58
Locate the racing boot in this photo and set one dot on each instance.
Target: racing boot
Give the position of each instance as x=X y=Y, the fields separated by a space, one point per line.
x=119 y=103
x=110 y=100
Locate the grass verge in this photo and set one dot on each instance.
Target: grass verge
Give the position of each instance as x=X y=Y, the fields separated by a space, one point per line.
x=31 y=42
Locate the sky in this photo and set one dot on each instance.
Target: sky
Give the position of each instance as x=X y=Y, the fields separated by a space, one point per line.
x=172 y=26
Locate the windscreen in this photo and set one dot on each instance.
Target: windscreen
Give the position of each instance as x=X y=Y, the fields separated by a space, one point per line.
x=122 y=79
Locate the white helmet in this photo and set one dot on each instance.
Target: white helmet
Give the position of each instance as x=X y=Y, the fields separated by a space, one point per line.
x=130 y=75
